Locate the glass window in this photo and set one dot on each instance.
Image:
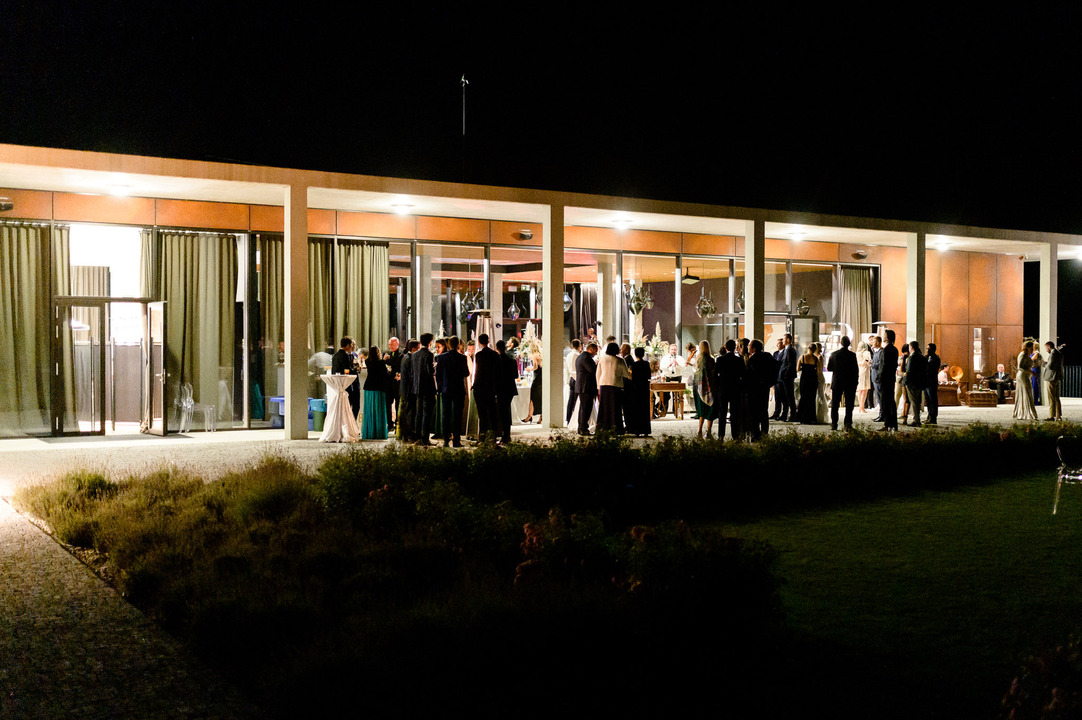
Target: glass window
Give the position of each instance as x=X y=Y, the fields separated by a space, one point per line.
x=650 y=294
x=696 y=298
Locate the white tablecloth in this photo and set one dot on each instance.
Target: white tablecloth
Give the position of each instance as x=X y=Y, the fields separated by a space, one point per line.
x=340 y=425
x=520 y=406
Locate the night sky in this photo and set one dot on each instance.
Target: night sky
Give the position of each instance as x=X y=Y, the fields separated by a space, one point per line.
x=967 y=115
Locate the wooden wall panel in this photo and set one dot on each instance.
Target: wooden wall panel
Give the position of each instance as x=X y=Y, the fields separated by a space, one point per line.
x=320 y=222
x=933 y=286
x=1010 y=289
x=892 y=286
x=818 y=251
x=952 y=343
x=198 y=214
x=708 y=244
x=381 y=225
x=452 y=229
x=267 y=218
x=983 y=291
x=29 y=204
x=650 y=241
x=954 y=283
x=1008 y=343
x=507 y=233
x=777 y=249
x=72 y=207
x=591 y=237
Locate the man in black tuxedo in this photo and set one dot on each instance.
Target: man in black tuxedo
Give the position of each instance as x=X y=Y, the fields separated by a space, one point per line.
x=931 y=385
x=760 y=374
x=451 y=374
x=342 y=364
x=586 y=384
x=777 y=383
x=887 y=369
x=422 y=367
x=843 y=383
x=407 y=401
x=506 y=390
x=874 y=371
x=728 y=377
x=787 y=379
x=916 y=375
x=486 y=376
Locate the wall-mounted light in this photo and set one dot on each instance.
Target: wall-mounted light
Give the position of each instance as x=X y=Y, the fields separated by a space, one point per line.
x=524 y=234
x=6 y=204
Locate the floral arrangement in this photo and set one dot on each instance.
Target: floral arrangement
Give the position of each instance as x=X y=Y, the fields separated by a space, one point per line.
x=655 y=346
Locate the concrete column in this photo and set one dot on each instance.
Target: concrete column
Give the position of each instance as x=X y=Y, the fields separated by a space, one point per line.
x=915 y=257
x=552 y=326
x=678 y=304
x=619 y=326
x=296 y=312
x=606 y=314
x=732 y=286
x=754 y=278
x=495 y=302
x=1049 y=292
x=423 y=309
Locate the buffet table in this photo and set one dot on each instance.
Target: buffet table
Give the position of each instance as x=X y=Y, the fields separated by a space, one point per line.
x=677 y=389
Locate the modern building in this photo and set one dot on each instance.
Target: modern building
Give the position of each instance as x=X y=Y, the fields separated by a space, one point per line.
x=128 y=281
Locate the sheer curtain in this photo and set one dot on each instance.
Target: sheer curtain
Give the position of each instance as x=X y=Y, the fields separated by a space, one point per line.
x=361 y=292
x=24 y=325
x=320 y=320
x=271 y=305
x=198 y=284
x=856 y=300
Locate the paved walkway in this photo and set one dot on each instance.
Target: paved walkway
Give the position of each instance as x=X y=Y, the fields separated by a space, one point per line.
x=70 y=647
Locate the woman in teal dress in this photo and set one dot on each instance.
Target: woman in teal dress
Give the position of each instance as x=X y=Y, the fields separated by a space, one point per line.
x=376 y=387
x=704 y=391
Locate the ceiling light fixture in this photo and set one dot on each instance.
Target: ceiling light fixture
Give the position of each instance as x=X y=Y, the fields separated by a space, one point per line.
x=688 y=278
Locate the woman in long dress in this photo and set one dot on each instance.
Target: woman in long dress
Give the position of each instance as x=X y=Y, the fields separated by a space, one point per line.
x=1023 y=391
x=376 y=387
x=611 y=373
x=703 y=390
x=822 y=405
x=808 y=369
x=473 y=420
x=864 y=380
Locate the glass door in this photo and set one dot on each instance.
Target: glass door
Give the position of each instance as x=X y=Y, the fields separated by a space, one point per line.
x=78 y=388
x=156 y=397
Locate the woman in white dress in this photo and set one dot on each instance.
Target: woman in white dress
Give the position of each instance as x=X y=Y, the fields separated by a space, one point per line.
x=864 y=380
x=1023 y=391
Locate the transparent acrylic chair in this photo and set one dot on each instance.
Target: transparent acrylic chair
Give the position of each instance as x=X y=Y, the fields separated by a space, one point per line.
x=190 y=407
x=1069 y=470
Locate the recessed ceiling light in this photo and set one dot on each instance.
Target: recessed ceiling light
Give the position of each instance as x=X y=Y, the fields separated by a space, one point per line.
x=402 y=208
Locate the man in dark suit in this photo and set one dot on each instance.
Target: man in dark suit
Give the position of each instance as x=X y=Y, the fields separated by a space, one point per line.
x=874 y=371
x=586 y=384
x=407 y=401
x=760 y=374
x=393 y=359
x=342 y=364
x=843 y=383
x=888 y=367
x=1001 y=382
x=916 y=376
x=423 y=370
x=728 y=377
x=506 y=390
x=931 y=385
x=486 y=376
x=787 y=379
x=1053 y=375
x=778 y=392
x=451 y=374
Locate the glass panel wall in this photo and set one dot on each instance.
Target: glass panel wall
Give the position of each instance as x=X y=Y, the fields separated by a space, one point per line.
x=516 y=272
x=449 y=275
x=712 y=287
x=650 y=291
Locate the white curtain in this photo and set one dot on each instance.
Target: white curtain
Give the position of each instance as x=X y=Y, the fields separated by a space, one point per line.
x=856 y=300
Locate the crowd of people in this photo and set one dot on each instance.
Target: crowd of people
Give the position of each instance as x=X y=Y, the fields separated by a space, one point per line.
x=446 y=389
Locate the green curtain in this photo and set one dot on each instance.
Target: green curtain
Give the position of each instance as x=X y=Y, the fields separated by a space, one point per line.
x=856 y=300
x=24 y=325
x=362 y=299
x=320 y=289
x=149 y=284
x=199 y=284
x=272 y=306
x=61 y=285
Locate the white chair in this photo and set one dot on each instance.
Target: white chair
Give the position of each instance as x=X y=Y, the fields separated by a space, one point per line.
x=1070 y=474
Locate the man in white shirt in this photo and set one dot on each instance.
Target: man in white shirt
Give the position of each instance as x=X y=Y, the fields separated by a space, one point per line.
x=672 y=370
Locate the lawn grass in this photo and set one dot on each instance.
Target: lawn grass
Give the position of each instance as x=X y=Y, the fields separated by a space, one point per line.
x=925 y=606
